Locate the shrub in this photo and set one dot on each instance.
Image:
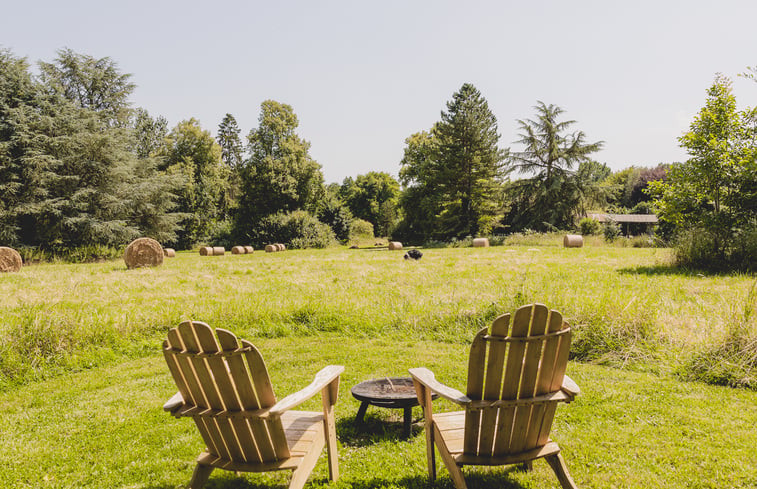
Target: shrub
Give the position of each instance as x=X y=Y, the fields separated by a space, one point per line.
x=611 y=231
x=297 y=229
x=360 y=228
x=588 y=226
x=79 y=254
x=338 y=217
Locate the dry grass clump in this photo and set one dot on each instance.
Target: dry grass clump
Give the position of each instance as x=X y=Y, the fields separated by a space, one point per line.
x=143 y=252
x=10 y=260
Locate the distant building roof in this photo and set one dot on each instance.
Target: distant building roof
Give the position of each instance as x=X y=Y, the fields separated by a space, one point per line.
x=646 y=218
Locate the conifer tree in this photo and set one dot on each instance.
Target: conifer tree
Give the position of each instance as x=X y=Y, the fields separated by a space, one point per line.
x=228 y=139
x=552 y=197
x=453 y=173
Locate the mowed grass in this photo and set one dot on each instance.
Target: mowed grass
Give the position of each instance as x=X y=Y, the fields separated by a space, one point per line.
x=104 y=427
x=60 y=317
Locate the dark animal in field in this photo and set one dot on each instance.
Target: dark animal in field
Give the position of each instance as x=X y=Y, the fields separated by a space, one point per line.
x=414 y=254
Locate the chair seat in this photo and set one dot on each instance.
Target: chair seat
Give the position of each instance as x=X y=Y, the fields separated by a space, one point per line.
x=450 y=427
x=304 y=433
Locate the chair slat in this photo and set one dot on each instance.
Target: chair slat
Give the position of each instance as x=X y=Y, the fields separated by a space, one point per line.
x=260 y=378
x=561 y=364
x=273 y=446
x=493 y=383
x=476 y=367
x=549 y=356
x=511 y=383
x=532 y=362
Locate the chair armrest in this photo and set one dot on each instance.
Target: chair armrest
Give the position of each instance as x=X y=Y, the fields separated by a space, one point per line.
x=321 y=380
x=174 y=403
x=570 y=387
x=427 y=378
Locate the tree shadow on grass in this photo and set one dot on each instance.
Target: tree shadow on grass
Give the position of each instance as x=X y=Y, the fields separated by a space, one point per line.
x=479 y=478
x=374 y=429
x=656 y=270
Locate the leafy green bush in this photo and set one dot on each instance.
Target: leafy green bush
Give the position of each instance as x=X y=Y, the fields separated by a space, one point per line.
x=79 y=254
x=361 y=228
x=297 y=229
x=588 y=226
x=611 y=230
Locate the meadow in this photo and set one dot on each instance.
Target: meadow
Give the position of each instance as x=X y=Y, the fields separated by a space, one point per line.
x=82 y=376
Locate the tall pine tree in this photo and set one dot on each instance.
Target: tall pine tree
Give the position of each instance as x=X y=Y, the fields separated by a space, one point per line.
x=453 y=174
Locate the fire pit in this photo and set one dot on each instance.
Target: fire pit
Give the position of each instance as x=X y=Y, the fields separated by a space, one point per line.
x=388 y=392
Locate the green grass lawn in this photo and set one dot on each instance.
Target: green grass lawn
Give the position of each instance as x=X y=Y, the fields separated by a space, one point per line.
x=105 y=428
x=82 y=380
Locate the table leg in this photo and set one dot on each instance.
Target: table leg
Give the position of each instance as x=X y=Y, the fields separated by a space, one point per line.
x=361 y=413
x=408 y=421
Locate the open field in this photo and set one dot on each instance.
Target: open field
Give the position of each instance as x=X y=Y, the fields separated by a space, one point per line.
x=61 y=317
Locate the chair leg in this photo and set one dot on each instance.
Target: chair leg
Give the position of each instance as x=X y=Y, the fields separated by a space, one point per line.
x=561 y=471
x=200 y=476
x=329 y=432
x=302 y=472
x=454 y=470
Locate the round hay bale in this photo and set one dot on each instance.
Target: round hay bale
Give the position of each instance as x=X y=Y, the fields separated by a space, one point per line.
x=10 y=260
x=395 y=245
x=481 y=242
x=281 y=247
x=169 y=252
x=248 y=249
x=206 y=251
x=237 y=250
x=219 y=250
x=573 y=241
x=271 y=248
x=143 y=252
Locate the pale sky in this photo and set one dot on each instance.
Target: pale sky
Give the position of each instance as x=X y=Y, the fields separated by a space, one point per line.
x=363 y=76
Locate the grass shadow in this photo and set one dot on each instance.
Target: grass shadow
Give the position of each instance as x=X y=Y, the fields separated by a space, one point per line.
x=668 y=270
x=479 y=478
x=374 y=429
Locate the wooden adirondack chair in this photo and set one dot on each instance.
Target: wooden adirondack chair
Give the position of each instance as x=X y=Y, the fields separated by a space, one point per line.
x=225 y=388
x=514 y=384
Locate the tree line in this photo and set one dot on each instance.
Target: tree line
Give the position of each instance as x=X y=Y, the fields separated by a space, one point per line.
x=80 y=166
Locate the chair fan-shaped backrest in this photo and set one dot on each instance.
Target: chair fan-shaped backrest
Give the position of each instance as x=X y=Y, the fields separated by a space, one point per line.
x=515 y=362
x=220 y=380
